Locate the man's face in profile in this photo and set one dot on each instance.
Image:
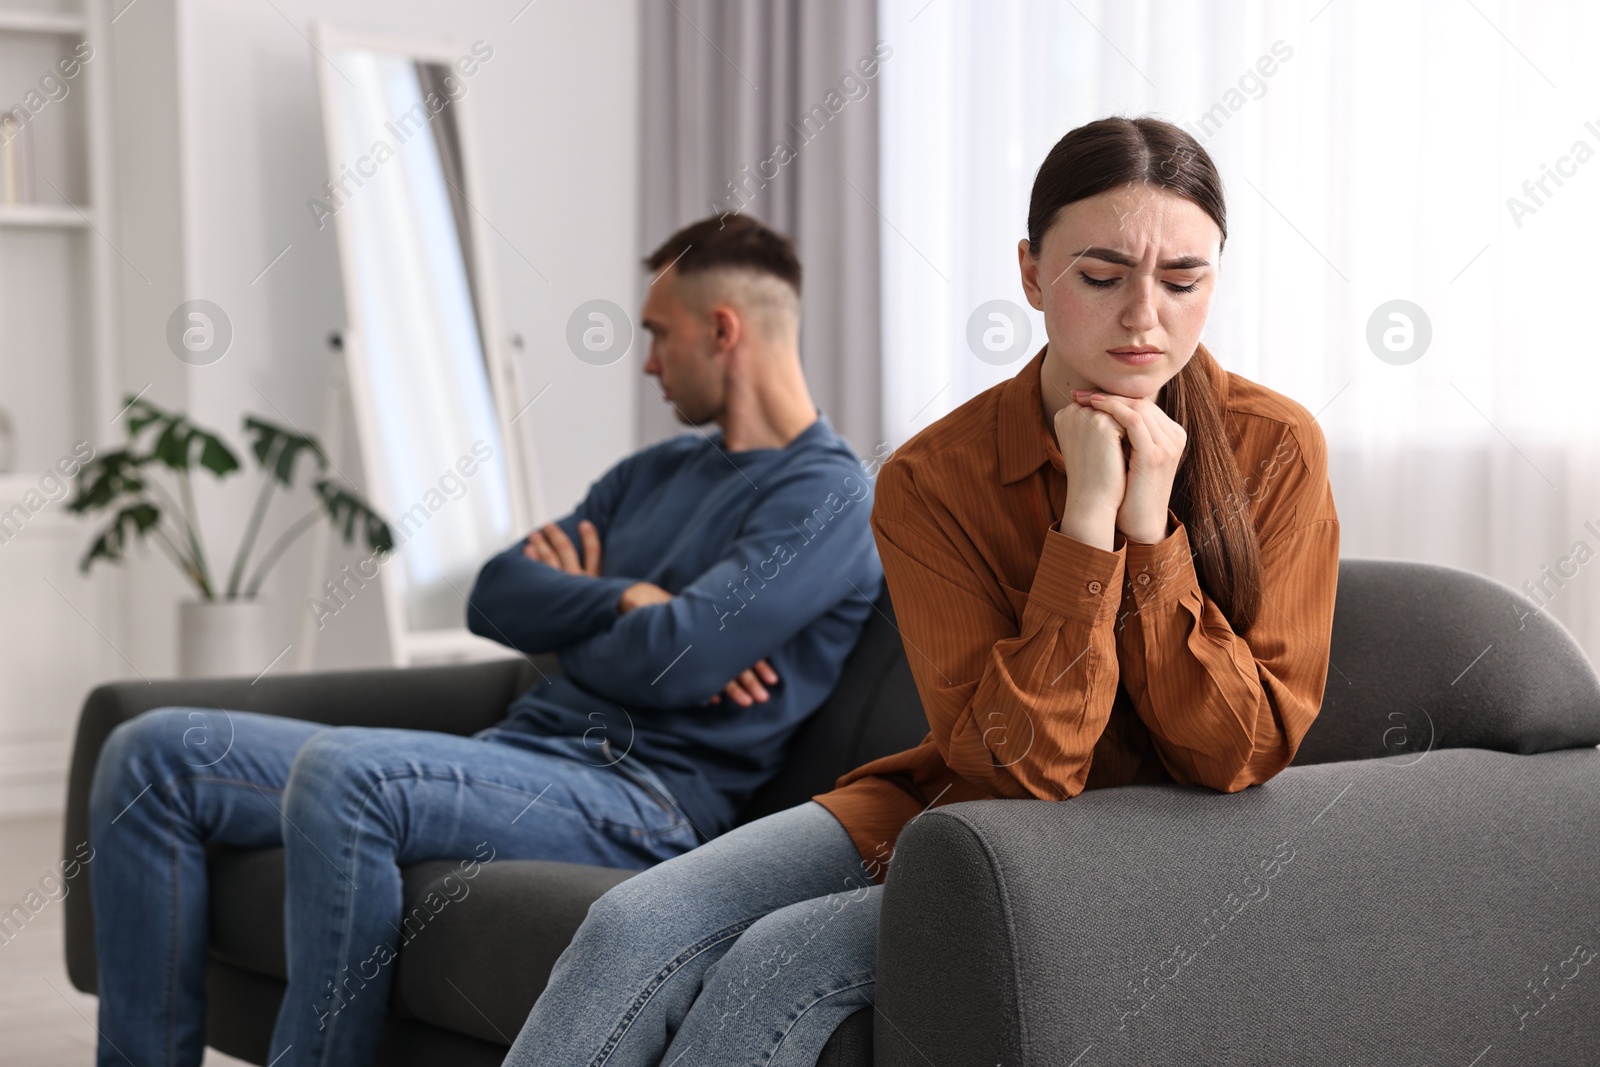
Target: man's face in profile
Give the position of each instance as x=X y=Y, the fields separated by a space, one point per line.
x=683 y=356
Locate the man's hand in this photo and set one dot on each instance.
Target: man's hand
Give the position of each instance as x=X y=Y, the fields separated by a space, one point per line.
x=744 y=690
x=550 y=544
x=747 y=688
x=639 y=594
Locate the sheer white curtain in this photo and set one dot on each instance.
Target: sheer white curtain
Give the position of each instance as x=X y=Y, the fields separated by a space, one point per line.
x=1372 y=151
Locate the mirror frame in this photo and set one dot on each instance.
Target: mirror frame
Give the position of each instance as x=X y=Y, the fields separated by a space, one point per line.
x=409 y=647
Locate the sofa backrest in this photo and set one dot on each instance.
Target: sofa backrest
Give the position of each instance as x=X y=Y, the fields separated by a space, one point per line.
x=1426 y=656
x=873 y=711
x=1423 y=656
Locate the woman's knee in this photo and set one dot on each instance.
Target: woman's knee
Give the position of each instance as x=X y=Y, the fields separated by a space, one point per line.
x=664 y=915
x=699 y=902
x=644 y=905
x=809 y=948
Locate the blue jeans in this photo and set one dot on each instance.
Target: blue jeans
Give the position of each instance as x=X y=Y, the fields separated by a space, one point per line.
x=351 y=807
x=751 y=949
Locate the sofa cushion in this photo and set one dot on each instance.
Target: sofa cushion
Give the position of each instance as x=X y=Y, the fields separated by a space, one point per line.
x=496 y=939
x=1426 y=657
x=247 y=908
x=484 y=957
x=851 y=1043
x=474 y=964
x=242 y=1009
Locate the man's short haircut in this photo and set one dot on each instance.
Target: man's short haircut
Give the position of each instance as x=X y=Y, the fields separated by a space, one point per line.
x=728 y=242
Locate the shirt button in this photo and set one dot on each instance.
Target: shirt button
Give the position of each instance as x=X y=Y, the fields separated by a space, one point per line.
x=1144 y=579
x=1094 y=587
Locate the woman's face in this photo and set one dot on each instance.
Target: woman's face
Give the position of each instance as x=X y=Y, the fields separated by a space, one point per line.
x=1132 y=267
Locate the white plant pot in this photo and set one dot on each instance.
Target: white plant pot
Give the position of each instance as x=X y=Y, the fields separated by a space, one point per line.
x=218 y=638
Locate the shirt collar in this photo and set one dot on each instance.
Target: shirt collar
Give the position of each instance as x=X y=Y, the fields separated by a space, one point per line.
x=1027 y=442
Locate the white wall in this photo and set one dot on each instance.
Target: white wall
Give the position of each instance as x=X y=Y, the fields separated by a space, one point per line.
x=219 y=152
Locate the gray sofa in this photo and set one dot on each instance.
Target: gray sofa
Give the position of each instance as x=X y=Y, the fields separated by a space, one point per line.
x=1421 y=886
x=1418 y=887
x=463 y=988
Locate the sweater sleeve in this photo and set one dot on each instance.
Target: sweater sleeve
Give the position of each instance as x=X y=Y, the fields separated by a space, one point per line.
x=1017 y=686
x=804 y=547
x=534 y=607
x=1227 y=710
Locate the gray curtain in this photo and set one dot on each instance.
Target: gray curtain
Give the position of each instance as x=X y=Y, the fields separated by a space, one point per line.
x=728 y=86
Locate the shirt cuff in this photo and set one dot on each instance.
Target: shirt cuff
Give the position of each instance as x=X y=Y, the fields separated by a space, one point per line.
x=1159 y=575
x=612 y=590
x=1078 y=580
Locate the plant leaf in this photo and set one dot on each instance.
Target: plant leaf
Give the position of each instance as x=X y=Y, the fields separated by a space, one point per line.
x=289 y=445
x=344 y=507
x=141 y=413
x=113 y=540
x=215 y=455
x=172 y=444
x=105 y=478
x=144 y=516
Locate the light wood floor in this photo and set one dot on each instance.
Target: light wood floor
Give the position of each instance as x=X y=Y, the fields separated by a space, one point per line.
x=44 y=1022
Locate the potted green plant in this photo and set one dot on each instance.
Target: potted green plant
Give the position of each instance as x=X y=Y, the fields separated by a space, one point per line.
x=222 y=631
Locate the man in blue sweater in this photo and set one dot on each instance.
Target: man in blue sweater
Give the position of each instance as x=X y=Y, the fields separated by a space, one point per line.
x=701 y=599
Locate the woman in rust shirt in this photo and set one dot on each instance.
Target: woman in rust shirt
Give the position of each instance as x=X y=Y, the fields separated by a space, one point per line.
x=1116 y=567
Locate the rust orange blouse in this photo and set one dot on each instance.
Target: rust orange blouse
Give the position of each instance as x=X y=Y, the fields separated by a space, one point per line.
x=1048 y=666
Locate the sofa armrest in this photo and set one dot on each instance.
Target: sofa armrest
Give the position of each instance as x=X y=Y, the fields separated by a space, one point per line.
x=456 y=698
x=1396 y=910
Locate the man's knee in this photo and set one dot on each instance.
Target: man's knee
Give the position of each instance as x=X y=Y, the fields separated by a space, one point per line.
x=332 y=765
x=150 y=747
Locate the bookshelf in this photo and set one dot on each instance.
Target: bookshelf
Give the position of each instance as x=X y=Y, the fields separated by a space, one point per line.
x=43 y=215
x=46 y=22
x=60 y=631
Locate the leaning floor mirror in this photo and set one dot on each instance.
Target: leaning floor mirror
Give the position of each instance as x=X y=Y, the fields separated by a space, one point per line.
x=434 y=393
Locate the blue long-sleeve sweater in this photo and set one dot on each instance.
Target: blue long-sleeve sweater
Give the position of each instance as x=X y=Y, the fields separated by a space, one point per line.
x=768 y=554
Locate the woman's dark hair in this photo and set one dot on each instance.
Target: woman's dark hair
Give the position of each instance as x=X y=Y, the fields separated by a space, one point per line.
x=1208 y=492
